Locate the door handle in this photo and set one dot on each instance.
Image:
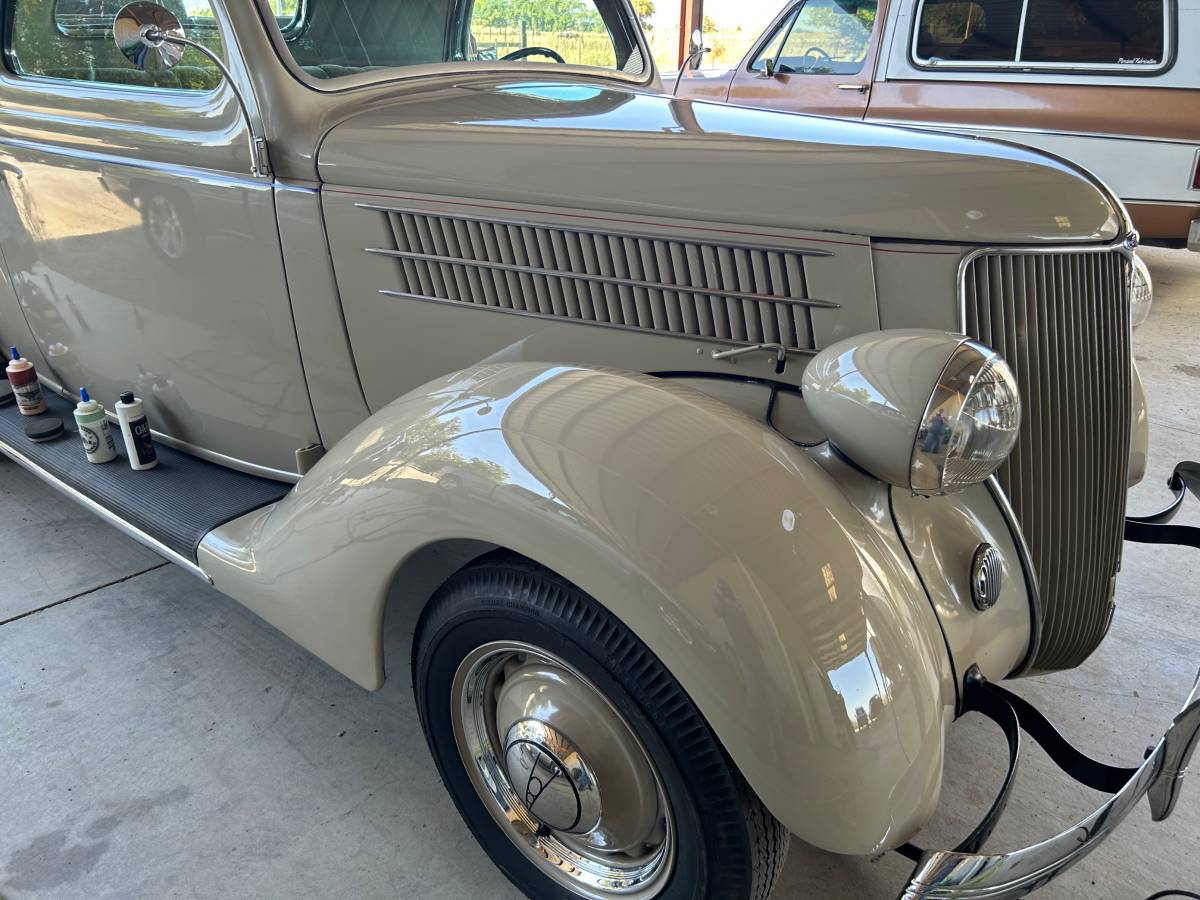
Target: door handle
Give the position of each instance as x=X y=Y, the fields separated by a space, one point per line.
x=861 y=88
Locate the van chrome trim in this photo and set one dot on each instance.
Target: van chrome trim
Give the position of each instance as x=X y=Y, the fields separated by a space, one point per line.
x=1017 y=129
x=104 y=513
x=1170 y=53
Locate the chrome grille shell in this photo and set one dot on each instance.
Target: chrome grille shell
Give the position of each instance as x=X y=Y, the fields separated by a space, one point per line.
x=1060 y=318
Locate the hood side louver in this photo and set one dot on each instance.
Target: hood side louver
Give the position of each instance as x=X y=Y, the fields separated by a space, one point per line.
x=727 y=293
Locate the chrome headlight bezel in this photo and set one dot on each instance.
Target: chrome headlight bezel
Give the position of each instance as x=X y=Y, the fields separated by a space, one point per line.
x=932 y=412
x=970 y=424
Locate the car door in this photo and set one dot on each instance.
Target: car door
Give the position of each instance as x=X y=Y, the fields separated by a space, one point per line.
x=145 y=256
x=817 y=58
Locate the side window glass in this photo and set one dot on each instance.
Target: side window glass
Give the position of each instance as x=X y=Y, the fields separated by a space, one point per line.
x=770 y=50
x=336 y=38
x=573 y=31
x=72 y=39
x=1112 y=32
x=969 y=31
x=1097 y=33
x=828 y=37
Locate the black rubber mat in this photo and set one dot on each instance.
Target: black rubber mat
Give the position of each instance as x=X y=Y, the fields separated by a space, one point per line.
x=177 y=502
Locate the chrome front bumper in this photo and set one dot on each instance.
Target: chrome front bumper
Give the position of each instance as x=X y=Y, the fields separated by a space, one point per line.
x=966 y=874
x=961 y=875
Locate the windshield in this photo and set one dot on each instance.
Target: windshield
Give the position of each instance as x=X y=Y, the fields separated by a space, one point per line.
x=336 y=38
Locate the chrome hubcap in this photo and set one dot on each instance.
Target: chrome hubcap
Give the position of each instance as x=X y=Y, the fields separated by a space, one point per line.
x=551 y=777
x=562 y=773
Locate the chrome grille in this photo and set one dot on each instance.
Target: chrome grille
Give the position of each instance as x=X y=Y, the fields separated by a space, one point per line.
x=1061 y=320
x=720 y=292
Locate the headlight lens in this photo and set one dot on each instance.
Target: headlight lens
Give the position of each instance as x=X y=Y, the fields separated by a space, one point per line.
x=970 y=425
x=1141 y=292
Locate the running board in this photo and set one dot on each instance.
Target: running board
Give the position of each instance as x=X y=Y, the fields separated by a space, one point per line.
x=168 y=509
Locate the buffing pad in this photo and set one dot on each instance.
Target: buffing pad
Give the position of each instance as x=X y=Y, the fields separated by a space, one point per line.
x=44 y=428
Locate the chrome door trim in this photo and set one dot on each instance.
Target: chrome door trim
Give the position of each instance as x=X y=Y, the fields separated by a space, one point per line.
x=104 y=513
x=212 y=456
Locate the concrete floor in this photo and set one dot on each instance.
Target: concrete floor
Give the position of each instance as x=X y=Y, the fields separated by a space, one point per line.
x=158 y=741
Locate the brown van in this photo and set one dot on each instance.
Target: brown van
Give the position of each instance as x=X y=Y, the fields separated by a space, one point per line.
x=1113 y=85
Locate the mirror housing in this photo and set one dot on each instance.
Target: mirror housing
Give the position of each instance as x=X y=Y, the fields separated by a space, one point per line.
x=151 y=38
x=696 y=51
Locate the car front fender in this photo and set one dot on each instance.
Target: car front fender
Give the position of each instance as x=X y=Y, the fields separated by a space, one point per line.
x=803 y=637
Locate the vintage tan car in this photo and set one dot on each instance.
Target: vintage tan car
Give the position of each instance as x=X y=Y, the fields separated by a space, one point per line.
x=719 y=458
x=1111 y=84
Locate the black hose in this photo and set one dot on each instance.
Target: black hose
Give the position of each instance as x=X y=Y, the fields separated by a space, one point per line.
x=1175 y=893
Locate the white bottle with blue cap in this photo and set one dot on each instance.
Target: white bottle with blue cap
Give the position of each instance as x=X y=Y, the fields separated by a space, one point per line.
x=93 y=429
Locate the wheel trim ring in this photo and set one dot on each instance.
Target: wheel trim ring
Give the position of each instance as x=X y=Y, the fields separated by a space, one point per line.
x=558 y=858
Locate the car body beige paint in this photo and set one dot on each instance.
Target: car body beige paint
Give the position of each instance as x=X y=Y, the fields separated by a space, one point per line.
x=198 y=335
x=773 y=631
x=803 y=636
x=571 y=146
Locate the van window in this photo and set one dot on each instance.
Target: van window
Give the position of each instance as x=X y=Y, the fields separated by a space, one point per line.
x=824 y=37
x=72 y=39
x=1032 y=34
x=1110 y=32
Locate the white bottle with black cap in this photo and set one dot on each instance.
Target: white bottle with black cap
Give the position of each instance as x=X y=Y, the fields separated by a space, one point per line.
x=139 y=443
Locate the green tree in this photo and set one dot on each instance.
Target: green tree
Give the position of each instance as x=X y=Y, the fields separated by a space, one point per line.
x=645 y=11
x=539 y=15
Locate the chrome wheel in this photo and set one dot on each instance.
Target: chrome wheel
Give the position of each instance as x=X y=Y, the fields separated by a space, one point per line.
x=165 y=227
x=562 y=772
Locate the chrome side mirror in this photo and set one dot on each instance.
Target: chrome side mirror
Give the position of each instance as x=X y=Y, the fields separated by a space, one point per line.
x=696 y=51
x=151 y=38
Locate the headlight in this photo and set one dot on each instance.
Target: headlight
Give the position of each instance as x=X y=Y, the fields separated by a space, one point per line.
x=970 y=425
x=1141 y=292
x=923 y=410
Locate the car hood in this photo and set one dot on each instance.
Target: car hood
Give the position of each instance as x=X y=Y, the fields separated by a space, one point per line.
x=583 y=146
